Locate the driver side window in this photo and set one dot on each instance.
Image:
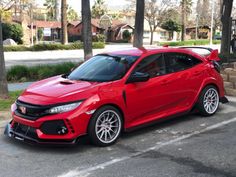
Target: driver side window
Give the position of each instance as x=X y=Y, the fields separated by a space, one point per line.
x=154 y=65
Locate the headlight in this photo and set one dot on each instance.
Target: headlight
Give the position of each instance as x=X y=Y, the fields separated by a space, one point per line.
x=64 y=108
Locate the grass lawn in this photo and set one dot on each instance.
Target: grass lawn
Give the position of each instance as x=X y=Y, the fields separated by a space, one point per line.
x=5 y=104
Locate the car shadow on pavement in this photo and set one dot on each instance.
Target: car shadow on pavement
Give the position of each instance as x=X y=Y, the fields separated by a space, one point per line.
x=84 y=144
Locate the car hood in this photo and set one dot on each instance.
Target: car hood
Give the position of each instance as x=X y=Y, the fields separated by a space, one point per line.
x=58 y=90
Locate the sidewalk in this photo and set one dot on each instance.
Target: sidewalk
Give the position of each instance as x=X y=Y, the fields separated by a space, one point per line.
x=18 y=86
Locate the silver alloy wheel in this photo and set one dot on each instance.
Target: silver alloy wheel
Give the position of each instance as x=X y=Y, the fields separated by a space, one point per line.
x=211 y=101
x=108 y=126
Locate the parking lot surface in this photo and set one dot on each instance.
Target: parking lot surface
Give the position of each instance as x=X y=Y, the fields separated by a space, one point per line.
x=188 y=146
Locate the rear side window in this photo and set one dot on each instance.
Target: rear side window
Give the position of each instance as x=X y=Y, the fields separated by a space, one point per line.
x=154 y=65
x=177 y=62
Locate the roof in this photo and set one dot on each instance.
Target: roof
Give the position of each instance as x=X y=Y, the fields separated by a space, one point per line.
x=47 y=24
x=132 y=51
x=74 y=23
x=152 y=50
x=96 y=23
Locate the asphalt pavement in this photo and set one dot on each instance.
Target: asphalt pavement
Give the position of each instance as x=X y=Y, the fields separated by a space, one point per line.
x=30 y=58
x=187 y=146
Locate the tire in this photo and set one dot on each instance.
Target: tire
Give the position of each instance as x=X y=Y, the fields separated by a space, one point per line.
x=105 y=126
x=208 y=101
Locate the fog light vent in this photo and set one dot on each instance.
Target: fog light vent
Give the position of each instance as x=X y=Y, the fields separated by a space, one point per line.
x=71 y=129
x=55 y=127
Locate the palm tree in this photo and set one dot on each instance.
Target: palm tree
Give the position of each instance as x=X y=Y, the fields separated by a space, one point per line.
x=51 y=8
x=86 y=29
x=139 y=23
x=98 y=9
x=64 y=35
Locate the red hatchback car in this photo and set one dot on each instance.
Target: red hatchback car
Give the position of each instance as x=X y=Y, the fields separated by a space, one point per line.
x=118 y=91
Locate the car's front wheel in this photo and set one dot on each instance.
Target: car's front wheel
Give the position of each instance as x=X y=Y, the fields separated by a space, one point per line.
x=208 y=102
x=105 y=126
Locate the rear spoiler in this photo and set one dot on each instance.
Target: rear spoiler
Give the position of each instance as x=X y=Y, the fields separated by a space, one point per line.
x=212 y=56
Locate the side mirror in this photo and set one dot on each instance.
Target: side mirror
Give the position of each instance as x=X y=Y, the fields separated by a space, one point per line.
x=138 y=77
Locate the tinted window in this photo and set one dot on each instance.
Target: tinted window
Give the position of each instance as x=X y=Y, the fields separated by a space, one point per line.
x=154 y=65
x=102 y=68
x=178 y=62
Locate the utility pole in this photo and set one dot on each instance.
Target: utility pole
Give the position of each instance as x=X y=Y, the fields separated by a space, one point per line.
x=212 y=20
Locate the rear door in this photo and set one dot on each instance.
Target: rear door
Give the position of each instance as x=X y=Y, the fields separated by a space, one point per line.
x=188 y=74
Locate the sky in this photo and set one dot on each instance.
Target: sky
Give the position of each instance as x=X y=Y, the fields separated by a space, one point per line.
x=76 y=4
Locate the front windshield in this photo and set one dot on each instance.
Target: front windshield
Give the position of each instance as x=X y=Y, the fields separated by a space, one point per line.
x=103 y=68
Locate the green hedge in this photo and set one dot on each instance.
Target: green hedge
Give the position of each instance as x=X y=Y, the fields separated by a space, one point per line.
x=190 y=43
x=21 y=73
x=43 y=47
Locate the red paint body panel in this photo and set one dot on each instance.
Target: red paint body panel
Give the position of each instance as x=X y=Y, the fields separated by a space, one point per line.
x=144 y=102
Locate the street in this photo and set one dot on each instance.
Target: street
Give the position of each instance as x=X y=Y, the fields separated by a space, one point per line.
x=185 y=146
x=60 y=56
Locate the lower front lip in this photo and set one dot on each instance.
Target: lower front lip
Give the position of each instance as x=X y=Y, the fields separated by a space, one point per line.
x=23 y=137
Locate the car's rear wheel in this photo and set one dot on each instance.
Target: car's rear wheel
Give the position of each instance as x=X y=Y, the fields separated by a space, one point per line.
x=105 y=126
x=208 y=102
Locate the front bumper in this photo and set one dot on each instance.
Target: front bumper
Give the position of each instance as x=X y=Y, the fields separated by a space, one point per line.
x=28 y=135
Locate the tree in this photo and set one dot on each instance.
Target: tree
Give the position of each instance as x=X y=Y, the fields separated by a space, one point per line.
x=204 y=12
x=226 y=11
x=64 y=36
x=139 y=23
x=171 y=26
x=186 y=6
x=72 y=14
x=86 y=29
x=156 y=14
x=98 y=9
x=4 y=7
x=51 y=9
x=12 y=31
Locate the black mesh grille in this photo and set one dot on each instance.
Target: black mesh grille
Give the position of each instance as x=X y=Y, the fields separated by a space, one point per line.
x=30 y=111
x=25 y=130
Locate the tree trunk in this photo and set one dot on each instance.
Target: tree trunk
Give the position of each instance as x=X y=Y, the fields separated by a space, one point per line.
x=151 y=39
x=183 y=20
x=86 y=29
x=226 y=26
x=64 y=36
x=139 y=23
x=3 y=78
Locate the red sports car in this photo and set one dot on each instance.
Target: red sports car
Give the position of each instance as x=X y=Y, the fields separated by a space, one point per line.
x=118 y=91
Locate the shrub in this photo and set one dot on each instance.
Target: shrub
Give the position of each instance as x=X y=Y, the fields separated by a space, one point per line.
x=99 y=38
x=190 y=43
x=23 y=73
x=126 y=35
x=98 y=45
x=15 y=48
x=43 y=47
x=12 y=31
x=16 y=73
x=40 y=34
